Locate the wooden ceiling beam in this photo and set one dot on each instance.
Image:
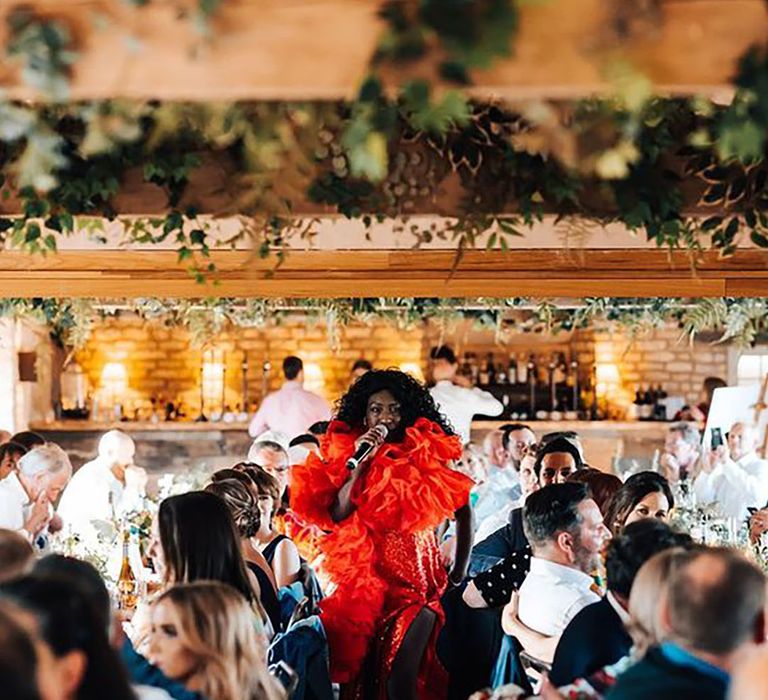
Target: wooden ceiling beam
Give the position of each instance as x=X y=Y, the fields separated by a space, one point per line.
x=320 y=49
x=132 y=273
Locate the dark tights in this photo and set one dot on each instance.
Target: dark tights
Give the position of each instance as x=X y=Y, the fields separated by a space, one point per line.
x=401 y=684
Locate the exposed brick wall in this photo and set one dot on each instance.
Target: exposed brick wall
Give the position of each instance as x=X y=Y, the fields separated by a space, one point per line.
x=663 y=358
x=162 y=362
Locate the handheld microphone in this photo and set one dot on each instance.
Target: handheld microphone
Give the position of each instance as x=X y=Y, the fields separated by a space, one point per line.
x=366 y=448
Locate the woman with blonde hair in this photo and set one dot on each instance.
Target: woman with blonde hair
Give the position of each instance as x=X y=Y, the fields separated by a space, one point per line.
x=203 y=636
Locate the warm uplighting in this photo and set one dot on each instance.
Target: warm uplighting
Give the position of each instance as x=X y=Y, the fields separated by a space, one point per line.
x=213 y=380
x=607 y=376
x=413 y=369
x=114 y=378
x=314 y=380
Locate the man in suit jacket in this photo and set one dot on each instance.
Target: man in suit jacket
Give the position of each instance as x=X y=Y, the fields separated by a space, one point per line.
x=597 y=636
x=713 y=615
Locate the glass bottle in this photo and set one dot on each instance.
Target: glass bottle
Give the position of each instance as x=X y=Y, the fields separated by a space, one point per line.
x=127 y=585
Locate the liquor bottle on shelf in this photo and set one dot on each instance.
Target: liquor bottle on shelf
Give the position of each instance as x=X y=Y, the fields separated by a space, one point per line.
x=482 y=376
x=512 y=370
x=574 y=383
x=522 y=370
x=474 y=370
x=660 y=407
x=532 y=386
x=551 y=381
x=490 y=369
x=127 y=585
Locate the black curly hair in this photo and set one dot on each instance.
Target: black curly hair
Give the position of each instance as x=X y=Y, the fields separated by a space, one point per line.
x=415 y=399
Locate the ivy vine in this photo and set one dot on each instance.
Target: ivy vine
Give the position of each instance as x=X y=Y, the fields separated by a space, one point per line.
x=741 y=321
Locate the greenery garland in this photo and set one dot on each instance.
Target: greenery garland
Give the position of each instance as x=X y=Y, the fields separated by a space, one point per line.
x=741 y=321
x=630 y=158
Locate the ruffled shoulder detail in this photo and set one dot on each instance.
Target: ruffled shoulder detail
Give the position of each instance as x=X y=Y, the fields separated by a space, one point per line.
x=410 y=485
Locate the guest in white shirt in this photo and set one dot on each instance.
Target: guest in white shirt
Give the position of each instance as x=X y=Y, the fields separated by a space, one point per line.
x=734 y=477
x=26 y=496
x=501 y=490
x=105 y=488
x=566 y=532
x=529 y=483
x=454 y=395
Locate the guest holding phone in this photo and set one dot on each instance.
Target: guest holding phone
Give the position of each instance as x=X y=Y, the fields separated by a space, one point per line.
x=732 y=475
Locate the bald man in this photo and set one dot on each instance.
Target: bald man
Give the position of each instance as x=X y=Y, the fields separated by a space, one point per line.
x=104 y=488
x=713 y=615
x=733 y=476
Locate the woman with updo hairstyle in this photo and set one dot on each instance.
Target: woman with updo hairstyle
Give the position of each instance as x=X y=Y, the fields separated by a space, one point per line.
x=643 y=495
x=245 y=512
x=202 y=636
x=381 y=552
x=278 y=549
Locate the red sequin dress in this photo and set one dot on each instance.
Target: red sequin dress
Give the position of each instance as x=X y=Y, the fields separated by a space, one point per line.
x=383 y=558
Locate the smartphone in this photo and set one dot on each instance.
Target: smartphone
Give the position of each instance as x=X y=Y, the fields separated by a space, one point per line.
x=717 y=438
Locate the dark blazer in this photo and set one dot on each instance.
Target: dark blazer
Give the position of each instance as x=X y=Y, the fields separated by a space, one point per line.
x=593 y=639
x=658 y=678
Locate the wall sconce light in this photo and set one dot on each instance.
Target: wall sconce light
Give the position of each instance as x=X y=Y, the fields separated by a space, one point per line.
x=607 y=378
x=313 y=377
x=114 y=382
x=212 y=375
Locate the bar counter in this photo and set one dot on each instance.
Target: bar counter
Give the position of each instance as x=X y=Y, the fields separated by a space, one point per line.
x=160 y=447
x=175 y=446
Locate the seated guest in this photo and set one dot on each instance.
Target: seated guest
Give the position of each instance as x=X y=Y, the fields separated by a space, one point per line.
x=454 y=396
x=556 y=459
x=506 y=524
x=597 y=636
x=28 y=439
x=106 y=488
x=278 y=549
x=644 y=627
x=270 y=452
x=148 y=683
x=643 y=495
x=733 y=476
x=194 y=539
x=26 y=497
x=681 y=452
x=501 y=488
x=23 y=668
x=244 y=508
x=714 y=611
x=10 y=453
x=16 y=555
x=602 y=486
x=566 y=532
x=85 y=666
x=202 y=636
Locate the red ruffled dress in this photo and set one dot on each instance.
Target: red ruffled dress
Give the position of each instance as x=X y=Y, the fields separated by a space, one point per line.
x=384 y=558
